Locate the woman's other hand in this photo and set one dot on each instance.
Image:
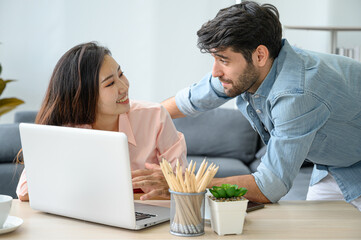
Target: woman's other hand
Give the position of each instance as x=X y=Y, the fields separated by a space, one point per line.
x=152 y=182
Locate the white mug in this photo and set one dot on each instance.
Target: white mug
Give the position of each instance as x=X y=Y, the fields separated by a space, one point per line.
x=5 y=205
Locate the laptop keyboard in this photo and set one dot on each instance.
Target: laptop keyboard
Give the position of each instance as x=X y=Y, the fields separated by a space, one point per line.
x=142 y=216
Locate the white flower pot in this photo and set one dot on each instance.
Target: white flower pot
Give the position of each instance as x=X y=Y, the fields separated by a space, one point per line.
x=228 y=217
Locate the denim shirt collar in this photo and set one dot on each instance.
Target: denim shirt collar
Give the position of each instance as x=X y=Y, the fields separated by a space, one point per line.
x=266 y=86
x=280 y=68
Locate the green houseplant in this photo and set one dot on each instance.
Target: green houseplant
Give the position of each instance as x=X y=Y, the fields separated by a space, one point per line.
x=228 y=209
x=7 y=104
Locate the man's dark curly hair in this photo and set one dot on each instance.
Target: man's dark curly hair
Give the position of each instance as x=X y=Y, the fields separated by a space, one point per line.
x=243 y=27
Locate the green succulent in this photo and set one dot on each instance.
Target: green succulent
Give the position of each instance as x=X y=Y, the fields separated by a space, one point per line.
x=7 y=104
x=227 y=191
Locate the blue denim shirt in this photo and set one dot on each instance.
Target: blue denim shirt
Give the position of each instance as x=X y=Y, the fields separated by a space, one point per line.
x=308 y=107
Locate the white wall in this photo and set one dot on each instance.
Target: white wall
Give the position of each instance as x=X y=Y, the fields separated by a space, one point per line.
x=346 y=13
x=153 y=40
x=336 y=13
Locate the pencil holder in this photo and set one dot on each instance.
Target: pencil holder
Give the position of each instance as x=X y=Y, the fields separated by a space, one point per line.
x=187 y=213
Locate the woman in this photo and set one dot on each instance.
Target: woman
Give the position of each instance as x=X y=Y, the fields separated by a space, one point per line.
x=88 y=89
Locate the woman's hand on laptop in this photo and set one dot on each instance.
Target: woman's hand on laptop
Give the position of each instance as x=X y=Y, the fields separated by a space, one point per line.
x=152 y=182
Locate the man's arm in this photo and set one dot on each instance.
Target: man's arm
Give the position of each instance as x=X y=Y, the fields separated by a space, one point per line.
x=172 y=108
x=200 y=97
x=246 y=181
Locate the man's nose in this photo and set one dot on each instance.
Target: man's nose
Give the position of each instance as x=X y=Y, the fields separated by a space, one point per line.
x=216 y=70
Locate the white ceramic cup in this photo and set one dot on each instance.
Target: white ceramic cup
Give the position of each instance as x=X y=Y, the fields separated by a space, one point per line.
x=5 y=205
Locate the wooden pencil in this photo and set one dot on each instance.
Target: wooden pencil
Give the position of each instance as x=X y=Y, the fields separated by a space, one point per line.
x=187 y=218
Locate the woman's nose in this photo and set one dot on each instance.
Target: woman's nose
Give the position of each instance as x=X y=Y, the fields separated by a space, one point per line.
x=123 y=84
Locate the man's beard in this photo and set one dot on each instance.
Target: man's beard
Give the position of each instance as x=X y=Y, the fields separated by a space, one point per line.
x=244 y=81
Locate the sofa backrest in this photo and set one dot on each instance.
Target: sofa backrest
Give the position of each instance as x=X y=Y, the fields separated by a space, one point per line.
x=219 y=132
x=25 y=116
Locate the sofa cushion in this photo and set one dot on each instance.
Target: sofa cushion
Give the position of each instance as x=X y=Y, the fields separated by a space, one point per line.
x=9 y=178
x=10 y=144
x=227 y=166
x=300 y=185
x=25 y=116
x=220 y=132
x=254 y=165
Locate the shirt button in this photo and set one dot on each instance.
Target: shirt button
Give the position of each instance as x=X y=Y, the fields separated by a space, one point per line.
x=258 y=111
x=256 y=96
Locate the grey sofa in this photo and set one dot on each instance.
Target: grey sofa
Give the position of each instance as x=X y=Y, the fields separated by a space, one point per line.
x=224 y=136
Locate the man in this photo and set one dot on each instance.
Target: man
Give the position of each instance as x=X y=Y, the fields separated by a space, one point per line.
x=304 y=105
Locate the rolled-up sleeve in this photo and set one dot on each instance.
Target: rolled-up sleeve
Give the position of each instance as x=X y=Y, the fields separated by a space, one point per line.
x=202 y=96
x=296 y=118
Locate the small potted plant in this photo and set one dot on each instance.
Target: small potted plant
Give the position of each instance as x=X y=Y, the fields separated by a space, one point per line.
x=228 y=209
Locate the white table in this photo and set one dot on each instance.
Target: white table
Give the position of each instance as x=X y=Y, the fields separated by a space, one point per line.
x=284 y=220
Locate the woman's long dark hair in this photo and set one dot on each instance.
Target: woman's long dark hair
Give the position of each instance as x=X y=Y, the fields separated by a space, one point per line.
x=73 y=91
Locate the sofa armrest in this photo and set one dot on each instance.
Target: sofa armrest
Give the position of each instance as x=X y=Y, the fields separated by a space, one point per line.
x=10 y=142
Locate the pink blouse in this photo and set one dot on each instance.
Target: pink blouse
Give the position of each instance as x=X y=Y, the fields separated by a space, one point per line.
x=151 y=137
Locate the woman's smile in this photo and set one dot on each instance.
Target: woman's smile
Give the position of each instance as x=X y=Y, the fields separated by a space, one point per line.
x=123 y=100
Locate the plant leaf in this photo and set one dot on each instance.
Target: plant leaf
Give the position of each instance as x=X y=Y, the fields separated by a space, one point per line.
x=225 y=186
x=214 y=193
x=8 y=104
x=230 y=191
x=237 y=192
x=9 y=80
x=227 y=191
x=221 y=192
x=2 y=85
x=242 y=192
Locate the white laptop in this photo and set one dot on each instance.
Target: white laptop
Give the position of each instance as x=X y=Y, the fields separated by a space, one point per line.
x=83 y=174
